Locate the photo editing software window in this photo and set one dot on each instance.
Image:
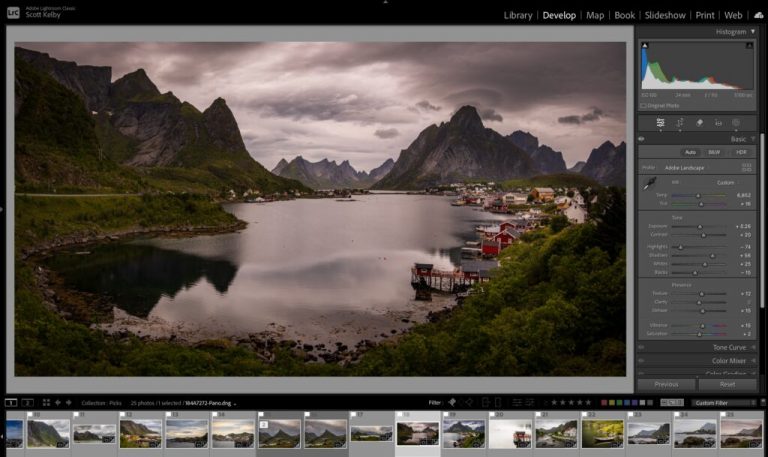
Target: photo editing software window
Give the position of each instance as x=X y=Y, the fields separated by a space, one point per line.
x=383 y=230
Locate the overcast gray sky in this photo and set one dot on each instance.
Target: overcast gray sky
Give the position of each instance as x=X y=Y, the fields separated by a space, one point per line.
x=364 y=102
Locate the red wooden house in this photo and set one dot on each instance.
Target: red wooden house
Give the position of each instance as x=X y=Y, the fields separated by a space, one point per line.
x=506 y=237
x=490 y=248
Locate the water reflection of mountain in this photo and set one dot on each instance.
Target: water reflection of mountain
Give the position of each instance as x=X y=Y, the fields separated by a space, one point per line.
x=135 y=276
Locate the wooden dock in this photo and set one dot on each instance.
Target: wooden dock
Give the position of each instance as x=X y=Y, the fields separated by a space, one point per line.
x=424 y=275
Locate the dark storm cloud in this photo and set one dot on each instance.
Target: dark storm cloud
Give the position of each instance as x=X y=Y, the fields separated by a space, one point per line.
x=426 y=106
x=594 y=115
x=173 y=63
x=300 y=96
x=320 y=105
x=490 y=114
x=572 y=119
x=386 y=133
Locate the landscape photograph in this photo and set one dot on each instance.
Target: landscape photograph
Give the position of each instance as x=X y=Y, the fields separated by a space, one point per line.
x=418 y=433
x=325 y=433
x=141 y=433
x=233 y=433
x=463 y=434
x=320 y=209
x=556 y=433
x=14 y=433
x=741 y=433
x=648 y=433
x=509 y=434
x=186 y=433
x=695 y=433
x=94 y=434
x=280 y=434
x=48 y=433
x=602 y=434
x=376 y=433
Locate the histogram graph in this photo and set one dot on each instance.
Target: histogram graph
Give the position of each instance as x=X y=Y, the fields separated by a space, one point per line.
x=721 y=65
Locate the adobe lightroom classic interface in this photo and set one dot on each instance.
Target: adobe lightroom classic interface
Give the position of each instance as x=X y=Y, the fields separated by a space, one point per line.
x=524 y=232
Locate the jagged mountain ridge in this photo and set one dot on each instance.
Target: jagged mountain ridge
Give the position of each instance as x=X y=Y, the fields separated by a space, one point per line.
x=326 y=174
x=607 y=164
x=577 y=167
x=141 y=131
x=460 y=149
x=546 y=159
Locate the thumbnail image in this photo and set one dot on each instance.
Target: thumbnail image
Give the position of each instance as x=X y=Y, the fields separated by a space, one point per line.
x=509 y=434
x=94 y=434
x=371 y=433
x=648 y=433
x=280 y=433
x=325 y=433
x=418 y=433
x=741 y=433
x=233 y=433
x=556 y=433
x=695 y=433
x=602 y=433
x=463 y=433
x=186 y=433
x=421 y=153
x=14 y=433
x=141 y=433
x=48 y=433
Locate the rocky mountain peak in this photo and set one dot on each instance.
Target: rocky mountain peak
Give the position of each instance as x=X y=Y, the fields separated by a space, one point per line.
x=134 y=85
x=222 y=126
x=524 y=141
x=90 y=83
x=467 y=118
x=607 y=164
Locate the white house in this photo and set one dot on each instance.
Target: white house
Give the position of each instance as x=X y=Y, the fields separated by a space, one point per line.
x=575 y=214
x=515 y=198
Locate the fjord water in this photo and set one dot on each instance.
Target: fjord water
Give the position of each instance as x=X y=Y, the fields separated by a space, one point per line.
x=316 y=270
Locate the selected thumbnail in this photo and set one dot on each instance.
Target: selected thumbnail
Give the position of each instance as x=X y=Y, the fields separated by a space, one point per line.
x=418 y=433
x=741 y=433
x=280 y=434
x=95 y=434
x=648 y=433
x=556 y=433
x=48 y=433
x=371 y=433
x=695 y=433
x=233 y=433
x=141 y=433
x=602 y=434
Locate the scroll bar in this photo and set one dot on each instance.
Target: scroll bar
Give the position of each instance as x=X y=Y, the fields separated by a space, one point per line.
x=762 y=221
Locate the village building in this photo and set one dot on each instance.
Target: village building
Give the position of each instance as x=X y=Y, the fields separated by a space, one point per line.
x=543 y=194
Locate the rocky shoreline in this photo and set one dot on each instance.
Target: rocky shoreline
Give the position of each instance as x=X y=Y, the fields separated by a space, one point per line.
x=266 y=344
x=89 y=238
x=103 y=316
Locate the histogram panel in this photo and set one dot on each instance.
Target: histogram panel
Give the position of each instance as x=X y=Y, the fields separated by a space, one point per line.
x=703 y=65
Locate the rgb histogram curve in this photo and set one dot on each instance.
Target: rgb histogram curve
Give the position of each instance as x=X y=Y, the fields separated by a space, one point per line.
x=705 y=65
x=653 y=78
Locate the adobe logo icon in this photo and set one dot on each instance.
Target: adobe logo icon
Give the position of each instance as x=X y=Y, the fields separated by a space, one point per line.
x=14 y=12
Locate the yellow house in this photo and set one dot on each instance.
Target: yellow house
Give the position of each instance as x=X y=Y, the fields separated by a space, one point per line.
x=543 y=194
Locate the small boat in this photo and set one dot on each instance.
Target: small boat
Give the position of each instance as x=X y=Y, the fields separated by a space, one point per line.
x=459 y=202
x=472 y=243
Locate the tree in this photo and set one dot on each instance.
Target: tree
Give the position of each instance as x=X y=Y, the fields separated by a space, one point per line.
x=557 y=223
x=610 y=213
